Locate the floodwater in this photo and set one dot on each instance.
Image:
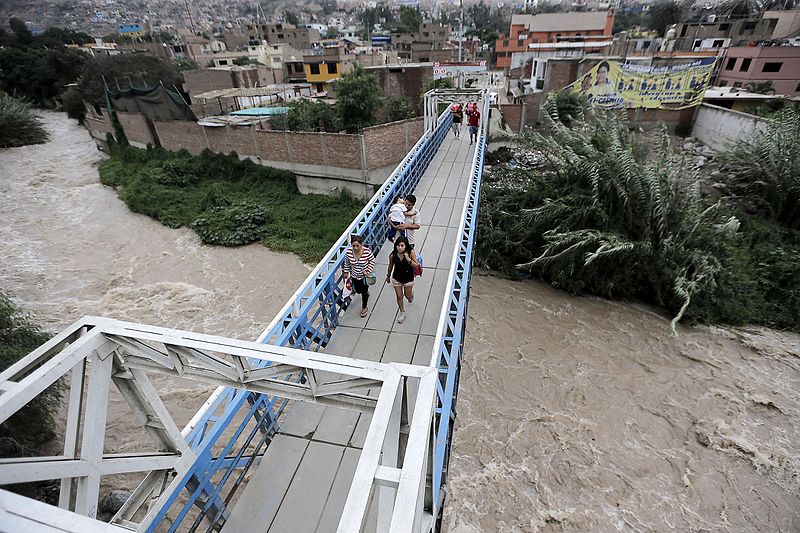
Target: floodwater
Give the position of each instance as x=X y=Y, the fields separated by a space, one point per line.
x=574 y=414
x=580 y=414
x=69 y=248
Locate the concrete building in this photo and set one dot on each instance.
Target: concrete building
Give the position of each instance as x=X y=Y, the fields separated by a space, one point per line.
x=325 y=65
x=787 y=25
x=717 y=34
x=424 y=45
x=210 y=79
x=277 y=33
x=777 y=64
x=407 y=79
x=552 y=28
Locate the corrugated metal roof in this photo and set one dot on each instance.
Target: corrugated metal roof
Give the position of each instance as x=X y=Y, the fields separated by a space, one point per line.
x=556 y=22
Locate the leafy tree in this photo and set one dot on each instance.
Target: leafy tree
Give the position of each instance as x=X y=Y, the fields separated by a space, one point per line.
x=410 y=20
x=398 y=108
x=22 y=34
x=292 y=18
x=441 y=83
x=626 y=19
x=39 y=74
x=358 y=98
x=665 y=13
x=308 y=115
x=56 y=37
x=19 y=126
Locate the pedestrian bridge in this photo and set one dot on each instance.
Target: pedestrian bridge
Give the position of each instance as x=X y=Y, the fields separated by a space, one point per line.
x=328 y=422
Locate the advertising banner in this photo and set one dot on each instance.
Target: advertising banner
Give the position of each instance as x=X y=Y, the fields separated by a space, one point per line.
x=452 y=70
x=613 y=85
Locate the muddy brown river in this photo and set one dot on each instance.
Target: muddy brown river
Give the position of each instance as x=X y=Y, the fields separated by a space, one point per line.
x=574 y=414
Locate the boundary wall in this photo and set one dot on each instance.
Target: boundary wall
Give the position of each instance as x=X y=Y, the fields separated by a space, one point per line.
x=324 y=163
x=719 y=127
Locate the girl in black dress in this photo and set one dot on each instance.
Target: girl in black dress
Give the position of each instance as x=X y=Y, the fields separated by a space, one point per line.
x=402 y=263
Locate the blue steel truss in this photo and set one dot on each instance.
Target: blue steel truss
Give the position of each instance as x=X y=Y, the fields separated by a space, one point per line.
x=306 y=322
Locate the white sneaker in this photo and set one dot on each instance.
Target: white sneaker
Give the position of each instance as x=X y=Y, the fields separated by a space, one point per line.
x=401 y=318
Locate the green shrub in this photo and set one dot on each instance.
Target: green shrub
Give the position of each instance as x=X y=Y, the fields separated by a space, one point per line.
x=232 y=225
x=210 y=191
x=19 y=125
x=765 y=168
x=31 y=426
x=602 y=217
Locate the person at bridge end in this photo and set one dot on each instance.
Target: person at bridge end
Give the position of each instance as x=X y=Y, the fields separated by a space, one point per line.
x=359 y=263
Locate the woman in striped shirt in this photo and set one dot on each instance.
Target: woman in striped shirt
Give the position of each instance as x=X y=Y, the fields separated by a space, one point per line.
x=359 y=262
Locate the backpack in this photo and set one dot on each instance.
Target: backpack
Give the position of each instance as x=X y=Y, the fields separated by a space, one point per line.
x=418 y=270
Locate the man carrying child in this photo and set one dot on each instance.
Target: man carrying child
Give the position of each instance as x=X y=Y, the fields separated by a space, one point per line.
x=403 y=219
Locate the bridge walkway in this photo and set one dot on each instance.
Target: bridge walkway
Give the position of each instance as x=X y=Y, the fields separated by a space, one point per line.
x=304 y=477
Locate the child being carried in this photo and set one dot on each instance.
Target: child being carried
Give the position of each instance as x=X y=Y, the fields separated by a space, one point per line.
x=397 y=216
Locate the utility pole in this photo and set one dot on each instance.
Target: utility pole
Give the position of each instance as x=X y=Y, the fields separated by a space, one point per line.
x=189 y=12
x=461 y=30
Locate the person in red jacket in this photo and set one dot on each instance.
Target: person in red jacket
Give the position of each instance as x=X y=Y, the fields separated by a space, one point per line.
x=474 y=121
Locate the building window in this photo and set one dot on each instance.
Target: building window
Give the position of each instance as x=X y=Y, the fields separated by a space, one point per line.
x=737 y=84
x=797 y=89
x=683 y=30
x=505 y=43
x=718 y=43
x=745 y=64
x=320 y=87
x=723 y=83
x=724 y=27
x=223 y=61
x=772 y=67
x=697 y=44
x=314 y=68
x=749 y=26
x=333 y=68
x=730 y=64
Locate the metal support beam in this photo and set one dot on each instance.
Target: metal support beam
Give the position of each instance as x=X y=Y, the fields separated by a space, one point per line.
x=94 y=429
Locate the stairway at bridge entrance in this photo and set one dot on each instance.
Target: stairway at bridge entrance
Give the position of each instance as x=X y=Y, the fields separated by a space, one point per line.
x=329 y=422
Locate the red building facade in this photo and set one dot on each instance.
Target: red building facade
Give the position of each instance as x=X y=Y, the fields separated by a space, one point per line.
x=551 y=28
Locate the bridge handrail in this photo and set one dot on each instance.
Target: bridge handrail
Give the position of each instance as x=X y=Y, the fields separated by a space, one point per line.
x=448 y=344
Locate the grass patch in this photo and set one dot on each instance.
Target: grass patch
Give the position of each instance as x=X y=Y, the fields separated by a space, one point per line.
x=227 y=201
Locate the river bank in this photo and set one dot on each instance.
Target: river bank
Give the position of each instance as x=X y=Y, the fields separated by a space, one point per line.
x=575 y=414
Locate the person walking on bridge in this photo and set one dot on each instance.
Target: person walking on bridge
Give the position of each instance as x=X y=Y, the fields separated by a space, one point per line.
x=474 y=121
x=402 y=263
x=458 y=116
x=359 y=264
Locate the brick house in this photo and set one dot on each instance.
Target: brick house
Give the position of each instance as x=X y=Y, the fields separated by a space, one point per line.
x=551 y=28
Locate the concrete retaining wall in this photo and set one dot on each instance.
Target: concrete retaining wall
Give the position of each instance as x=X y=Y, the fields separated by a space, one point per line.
x=718 y=127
